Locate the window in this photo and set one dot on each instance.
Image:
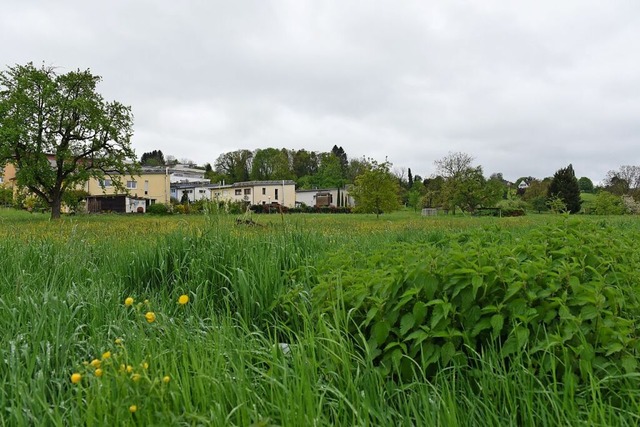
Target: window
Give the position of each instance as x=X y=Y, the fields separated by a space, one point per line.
x=106 y=183
x=238 y=192
x=276 y=196
x=146 y=187
x=131 y=184
x=247 y=191
x=202 y=191
x=264 y=191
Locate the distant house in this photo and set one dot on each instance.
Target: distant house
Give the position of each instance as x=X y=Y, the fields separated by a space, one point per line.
x=338 y=197
x=184 y=173
x=523 y=185
x=257 y=192
x=151 y=184
x=195 y=190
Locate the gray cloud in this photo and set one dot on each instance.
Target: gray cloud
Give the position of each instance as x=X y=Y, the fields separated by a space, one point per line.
x=524 y=87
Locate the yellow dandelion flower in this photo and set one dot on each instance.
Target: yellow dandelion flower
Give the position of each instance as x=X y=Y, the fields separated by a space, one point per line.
x=183 y=299
x=150 y=316
x=166 y=379
x=98 y=372
x=129 y=369
x=133 y=408
x=76 y=378
x=128 y=301
x=136 y=377
x=95 y=363
x=106 y=355
x=118 y=341
x=144 y=365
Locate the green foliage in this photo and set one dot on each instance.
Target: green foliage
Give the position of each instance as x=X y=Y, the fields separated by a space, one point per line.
x=556 y=205
x=464 y=185
x=606 y=203
x=250 y=349
x=539 y=204
x=376 y=190
x=270 y=164
x=152 y=158
x=562 y=294
x=234 y=166
x=564 y=186
x=158 y=209
x=6 y=196
x=585 y=185
x=73 y=199
x=59 y=132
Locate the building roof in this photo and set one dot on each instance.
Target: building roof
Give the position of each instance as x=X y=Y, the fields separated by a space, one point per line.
x=193 y=184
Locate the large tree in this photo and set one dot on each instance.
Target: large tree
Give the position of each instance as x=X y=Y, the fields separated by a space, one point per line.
x=376 y=190
x=59 y=132
x=234 y=166
x=564 y=186
x=270 y=164
x=464 y=185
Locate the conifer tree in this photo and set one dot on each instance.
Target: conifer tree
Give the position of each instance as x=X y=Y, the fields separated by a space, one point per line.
x=564 y=185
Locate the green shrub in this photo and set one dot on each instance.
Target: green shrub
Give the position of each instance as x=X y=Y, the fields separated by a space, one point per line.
x=608 y=204
x=158 y=209
x=6 y=196
x=564 y=295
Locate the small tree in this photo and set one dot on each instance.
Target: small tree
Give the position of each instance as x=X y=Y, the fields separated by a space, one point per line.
x=59 y=132
x=376 y=190
x=564 y=186
x=585 y=184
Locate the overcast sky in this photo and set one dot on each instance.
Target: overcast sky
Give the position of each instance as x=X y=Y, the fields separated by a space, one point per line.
x=526 y=87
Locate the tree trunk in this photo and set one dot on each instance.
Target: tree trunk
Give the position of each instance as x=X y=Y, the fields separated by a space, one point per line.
x=56 y=201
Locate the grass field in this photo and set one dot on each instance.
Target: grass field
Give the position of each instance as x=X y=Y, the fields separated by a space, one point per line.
x=283 y=320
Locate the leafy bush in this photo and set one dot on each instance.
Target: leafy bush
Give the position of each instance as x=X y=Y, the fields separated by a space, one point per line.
x=6 y=196
x=608 y=204
x=563 y=295
x=158 y=209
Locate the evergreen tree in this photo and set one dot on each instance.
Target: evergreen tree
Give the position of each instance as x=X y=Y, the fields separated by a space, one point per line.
x=564 y=185
x=342 y=156
x=152 y=158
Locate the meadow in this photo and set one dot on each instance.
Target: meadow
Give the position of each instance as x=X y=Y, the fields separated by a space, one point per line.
x=305 y=320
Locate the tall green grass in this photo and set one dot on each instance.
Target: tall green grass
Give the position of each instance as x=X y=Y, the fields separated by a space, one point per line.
x=248 y=348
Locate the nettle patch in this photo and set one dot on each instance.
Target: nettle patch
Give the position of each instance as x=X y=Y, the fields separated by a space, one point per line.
x=564 y=296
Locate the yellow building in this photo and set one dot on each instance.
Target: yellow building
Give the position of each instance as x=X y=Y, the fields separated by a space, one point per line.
x=257 y=192
x=7 y=175
x=152 y=184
